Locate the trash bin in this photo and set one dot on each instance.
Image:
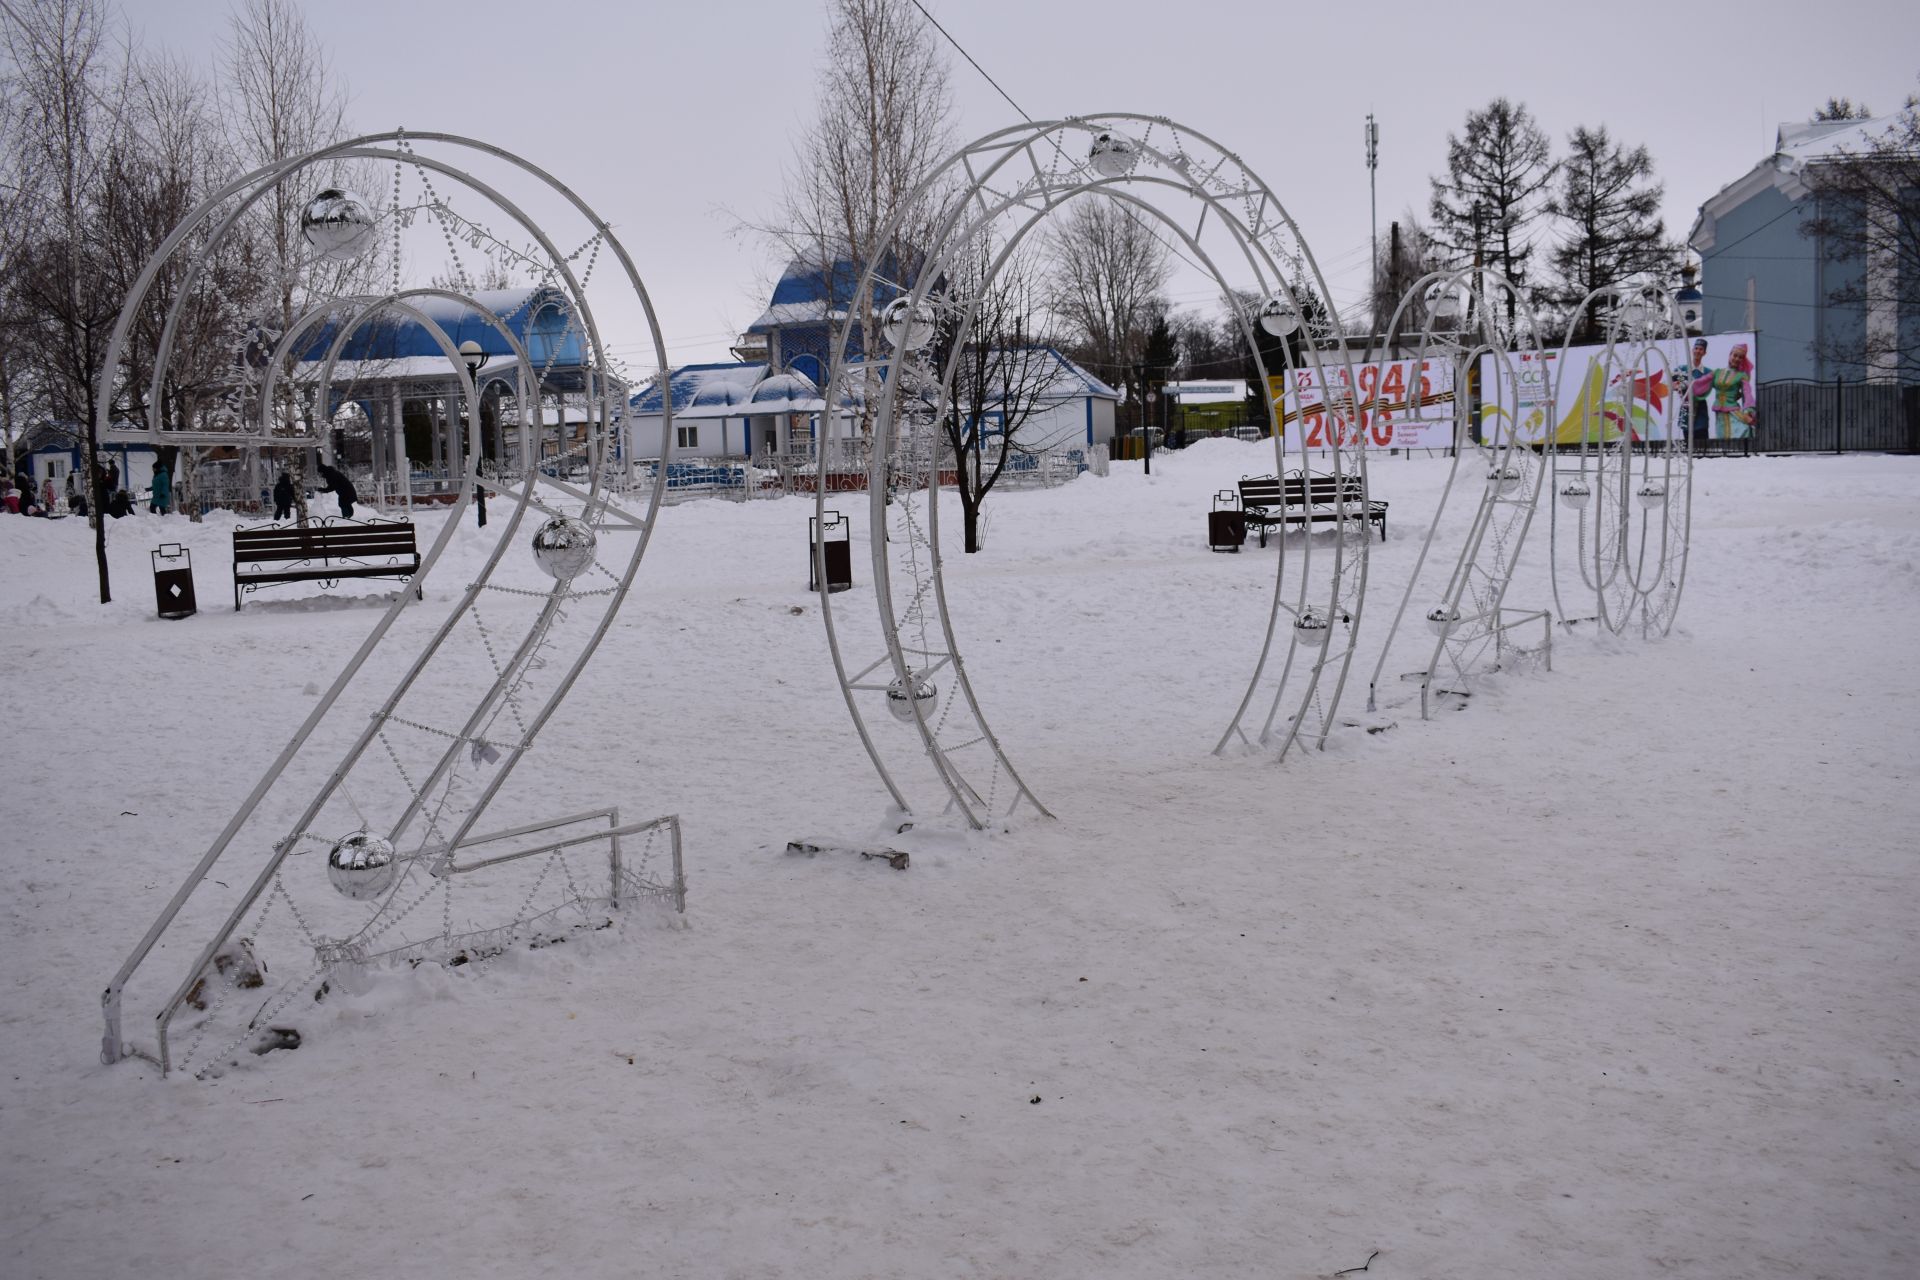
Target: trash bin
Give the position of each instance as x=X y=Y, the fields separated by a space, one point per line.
x=1226 y=523
x=834 y=536
x=173 y=581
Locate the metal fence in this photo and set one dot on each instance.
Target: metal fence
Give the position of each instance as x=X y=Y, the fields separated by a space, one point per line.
x=1797 y=415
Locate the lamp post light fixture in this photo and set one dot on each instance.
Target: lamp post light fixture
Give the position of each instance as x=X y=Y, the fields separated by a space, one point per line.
x=473 y=357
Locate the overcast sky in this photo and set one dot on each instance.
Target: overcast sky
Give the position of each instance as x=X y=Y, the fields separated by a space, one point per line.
x=675 y=120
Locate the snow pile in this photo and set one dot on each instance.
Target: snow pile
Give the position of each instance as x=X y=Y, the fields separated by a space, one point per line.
x=1611 y=972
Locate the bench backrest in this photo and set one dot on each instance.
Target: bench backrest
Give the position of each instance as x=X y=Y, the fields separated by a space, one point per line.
x=325 y=541
x=1295 y=490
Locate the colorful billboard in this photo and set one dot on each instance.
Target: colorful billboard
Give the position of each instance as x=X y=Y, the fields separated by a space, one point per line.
x=1399 y=407
x=1705 y=387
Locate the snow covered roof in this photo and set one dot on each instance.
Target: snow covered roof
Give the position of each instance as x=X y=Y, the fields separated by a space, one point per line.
x=787 y=393
x=1797 y=146
x=738 y=390
x=704 y=390
x=812 y=291
x=1071 y=380
x=398 y=369
x=539 y=318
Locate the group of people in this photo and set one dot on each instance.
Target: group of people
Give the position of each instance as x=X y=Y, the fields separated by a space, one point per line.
x=1719 y=402
x=22 y=496
x=332 y=481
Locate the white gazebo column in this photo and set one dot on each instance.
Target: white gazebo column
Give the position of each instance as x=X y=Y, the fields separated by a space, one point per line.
x=451 y=406
x=397 y=438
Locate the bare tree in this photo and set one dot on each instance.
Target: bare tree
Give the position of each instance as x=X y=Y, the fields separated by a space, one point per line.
x=881 y=123
x=1867 y=206
x=19 y=192
x=71 y=82
x=1006 y=373
x=1109 y=274
x=1409 y=254
x=1494 y=190
x=286 y=103
x=173 y=156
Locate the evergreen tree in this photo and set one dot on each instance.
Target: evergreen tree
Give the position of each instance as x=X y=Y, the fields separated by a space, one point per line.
x=1843 y=109
x=1494 y=189
x=1608 y=203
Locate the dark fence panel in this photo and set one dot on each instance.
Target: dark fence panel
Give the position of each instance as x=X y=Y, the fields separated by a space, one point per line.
x=1801 y=416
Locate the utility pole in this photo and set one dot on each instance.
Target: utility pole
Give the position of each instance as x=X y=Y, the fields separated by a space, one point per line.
x=1373 y=205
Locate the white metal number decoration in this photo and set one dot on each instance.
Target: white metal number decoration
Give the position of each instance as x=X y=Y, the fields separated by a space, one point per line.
x=1472 y=318
x=1623 y=467
x=361 y=843
x=927 y=280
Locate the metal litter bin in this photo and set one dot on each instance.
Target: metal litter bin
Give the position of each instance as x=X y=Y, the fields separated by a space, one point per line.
x=173 y=581
x=1226 y=523
x=834 y=538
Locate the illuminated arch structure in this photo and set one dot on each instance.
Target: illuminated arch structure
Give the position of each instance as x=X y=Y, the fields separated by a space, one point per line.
x=380 y=857
x=978 y=207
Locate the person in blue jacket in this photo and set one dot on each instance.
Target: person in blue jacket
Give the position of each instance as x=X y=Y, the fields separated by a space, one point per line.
x=162 y=490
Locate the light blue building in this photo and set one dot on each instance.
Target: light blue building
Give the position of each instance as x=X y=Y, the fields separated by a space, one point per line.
x=1762 y=270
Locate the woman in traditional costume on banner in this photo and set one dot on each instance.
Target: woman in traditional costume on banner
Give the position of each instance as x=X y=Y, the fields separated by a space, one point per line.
x=1732 y=394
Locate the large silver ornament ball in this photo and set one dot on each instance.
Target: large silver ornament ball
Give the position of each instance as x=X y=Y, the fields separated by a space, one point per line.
x=1279 y=317
x=1576 y=494
x=1504 y=479
x=1652 y=494
x=564 y=547
x=1443 y=620
x=337 y=225
x=924 y=693
x=907 y=327
x=1311 y=629
x=362 y=865
x=1113 y=155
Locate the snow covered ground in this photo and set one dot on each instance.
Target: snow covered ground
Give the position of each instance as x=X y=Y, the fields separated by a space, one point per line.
x=1615 y=972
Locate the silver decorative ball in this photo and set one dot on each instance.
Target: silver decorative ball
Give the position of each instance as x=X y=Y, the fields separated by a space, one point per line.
x=1311 y=629
x=337 y=225
x=1443 y=620
x=362 y=865
x=1505 y=479
x=1113 y=155
x=924 y=694
x=1652 y=494
x=1576 y=494
x=1279 y=317
x=907 y=327
x=564 y=547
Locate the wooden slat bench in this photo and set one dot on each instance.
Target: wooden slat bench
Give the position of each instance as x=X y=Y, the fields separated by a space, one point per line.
x=1308 y=499
x=323 y=552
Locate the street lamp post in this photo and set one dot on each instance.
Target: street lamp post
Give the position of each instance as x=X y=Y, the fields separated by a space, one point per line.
x=473 y=357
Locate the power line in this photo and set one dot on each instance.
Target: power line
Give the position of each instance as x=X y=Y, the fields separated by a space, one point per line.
x=970 y=61
x=975 y=64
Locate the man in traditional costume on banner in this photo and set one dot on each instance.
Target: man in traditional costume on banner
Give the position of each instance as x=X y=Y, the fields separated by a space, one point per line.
x=1733 y=394
x=1694 y=404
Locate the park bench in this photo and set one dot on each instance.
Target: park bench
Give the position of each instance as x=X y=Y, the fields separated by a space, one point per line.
x=1307 y=499
x=323 y=552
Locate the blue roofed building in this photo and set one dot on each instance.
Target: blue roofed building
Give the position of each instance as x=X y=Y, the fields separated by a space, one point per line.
x=751 y=409
x=809 y=303
x=409 y=392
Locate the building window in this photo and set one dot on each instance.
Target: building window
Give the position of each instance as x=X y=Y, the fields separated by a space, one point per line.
x=686 y=437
